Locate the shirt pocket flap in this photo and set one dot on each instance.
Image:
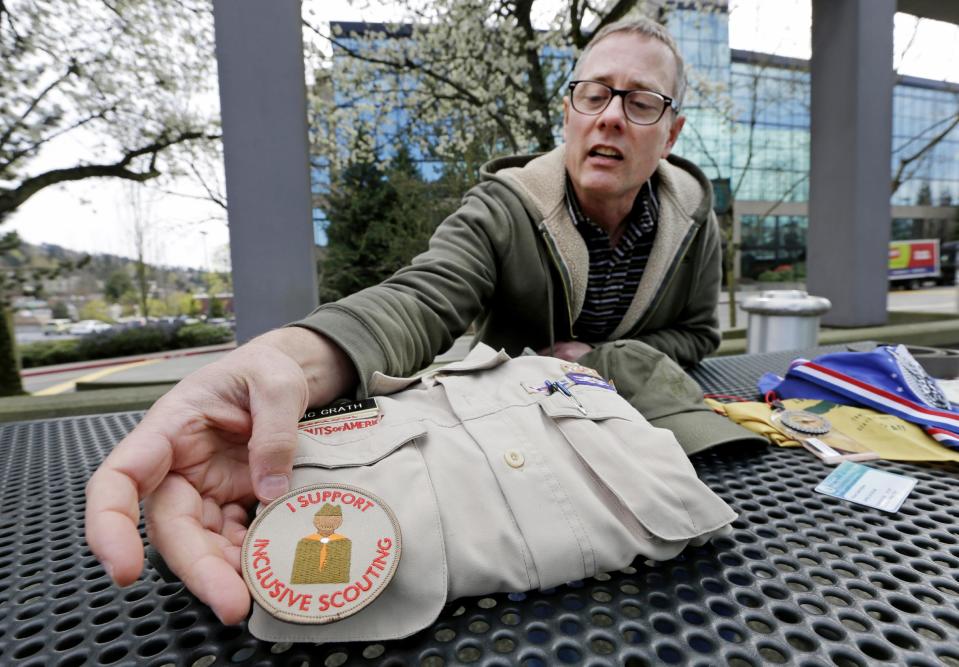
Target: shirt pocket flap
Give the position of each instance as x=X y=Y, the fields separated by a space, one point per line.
x=588 y=403
x=355 y=447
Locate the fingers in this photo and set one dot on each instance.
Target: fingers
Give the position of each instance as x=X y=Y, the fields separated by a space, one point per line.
x=278 y=399
x=113 y=493
x=204 y=560
x=112 y=516
x=234 y=523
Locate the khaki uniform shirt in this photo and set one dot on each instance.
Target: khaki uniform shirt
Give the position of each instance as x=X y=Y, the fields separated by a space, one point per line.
x=497 y=487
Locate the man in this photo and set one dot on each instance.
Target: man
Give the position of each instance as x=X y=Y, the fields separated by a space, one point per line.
x=537 y=255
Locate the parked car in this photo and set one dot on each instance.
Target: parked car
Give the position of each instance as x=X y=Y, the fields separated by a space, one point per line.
x=131 y=322
x=84 y=327
x=56 y=326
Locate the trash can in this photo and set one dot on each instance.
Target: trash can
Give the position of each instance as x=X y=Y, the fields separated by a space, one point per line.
x=783 y=320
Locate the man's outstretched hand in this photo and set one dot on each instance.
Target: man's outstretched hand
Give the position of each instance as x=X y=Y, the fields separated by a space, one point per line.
x=220 y=440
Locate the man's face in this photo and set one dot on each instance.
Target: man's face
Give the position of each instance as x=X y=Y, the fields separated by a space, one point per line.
x=627 y=62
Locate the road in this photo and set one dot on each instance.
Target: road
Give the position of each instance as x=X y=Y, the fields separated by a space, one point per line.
x=170 y=366
x=65 y=381
x=927 y=300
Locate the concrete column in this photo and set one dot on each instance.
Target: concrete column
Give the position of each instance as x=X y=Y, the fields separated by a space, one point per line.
x=259 y=51
x=849 y=213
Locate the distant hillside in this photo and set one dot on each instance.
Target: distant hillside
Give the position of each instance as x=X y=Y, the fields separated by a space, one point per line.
x=101 y=265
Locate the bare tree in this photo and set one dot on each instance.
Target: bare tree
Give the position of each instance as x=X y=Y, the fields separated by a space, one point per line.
x=915 y=150
x=141 y=227
x=911 y=154
x=743 y=113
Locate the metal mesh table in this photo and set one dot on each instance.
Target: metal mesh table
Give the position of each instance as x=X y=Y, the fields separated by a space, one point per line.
x=803 y=579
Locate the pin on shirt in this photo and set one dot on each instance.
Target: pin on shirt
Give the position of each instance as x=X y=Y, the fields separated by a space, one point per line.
x=587 y=380
x=554 y=386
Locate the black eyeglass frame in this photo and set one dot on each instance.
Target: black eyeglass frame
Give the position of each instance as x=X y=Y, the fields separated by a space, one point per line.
x=668 y=102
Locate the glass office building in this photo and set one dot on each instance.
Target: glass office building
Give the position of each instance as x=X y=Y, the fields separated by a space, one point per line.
x=762 y=125
x=748 y=120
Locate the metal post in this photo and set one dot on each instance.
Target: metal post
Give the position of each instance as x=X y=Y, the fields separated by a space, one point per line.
x=849 y=191
x=259 y=50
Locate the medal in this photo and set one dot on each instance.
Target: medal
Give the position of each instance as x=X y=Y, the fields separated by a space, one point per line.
x=804 y=422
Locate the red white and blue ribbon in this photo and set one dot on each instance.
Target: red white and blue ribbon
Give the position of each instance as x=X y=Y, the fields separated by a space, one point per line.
x=887 y=379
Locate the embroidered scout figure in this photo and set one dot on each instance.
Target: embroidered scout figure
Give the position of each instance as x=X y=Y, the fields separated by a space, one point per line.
x=324 y=556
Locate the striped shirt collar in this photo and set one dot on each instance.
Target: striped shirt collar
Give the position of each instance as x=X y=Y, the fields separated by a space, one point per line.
x=614 y=272
x=643 y=215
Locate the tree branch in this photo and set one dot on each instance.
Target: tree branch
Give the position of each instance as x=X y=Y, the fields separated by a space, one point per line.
x=753 y=119
x=575 y=24
x=537 y=101
x=899 y=179
x=72 y=69
x=409 y=65
x=705 y=150
x=11 y=199
x=37 y=144
x=618 y=11
x=785 y=194
x=215 y=197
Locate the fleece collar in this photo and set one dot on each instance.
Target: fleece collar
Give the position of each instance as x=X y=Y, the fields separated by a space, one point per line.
x=684 y=197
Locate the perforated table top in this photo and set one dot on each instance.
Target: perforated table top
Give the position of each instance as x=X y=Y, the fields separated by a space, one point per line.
x=803 y=579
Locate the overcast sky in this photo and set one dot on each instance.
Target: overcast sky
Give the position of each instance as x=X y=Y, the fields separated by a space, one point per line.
x=88 y=215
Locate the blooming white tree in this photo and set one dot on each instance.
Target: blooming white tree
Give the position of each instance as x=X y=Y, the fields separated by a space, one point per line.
x=455 y=73
x=131 y=80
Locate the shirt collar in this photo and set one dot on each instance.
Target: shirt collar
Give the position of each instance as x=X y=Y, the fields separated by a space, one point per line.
x=646 y=195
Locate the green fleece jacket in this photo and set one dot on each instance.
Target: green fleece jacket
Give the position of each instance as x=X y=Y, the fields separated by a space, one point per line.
x=511 y=260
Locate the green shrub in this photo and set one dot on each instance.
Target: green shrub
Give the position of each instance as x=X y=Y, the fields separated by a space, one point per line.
x=198 y=335
x=770 y=277
x=125 y=343
x=49 y=352
x=784 y=273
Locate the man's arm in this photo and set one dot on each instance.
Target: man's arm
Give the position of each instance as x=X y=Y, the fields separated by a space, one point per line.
x=695 y=333
x=399 y=326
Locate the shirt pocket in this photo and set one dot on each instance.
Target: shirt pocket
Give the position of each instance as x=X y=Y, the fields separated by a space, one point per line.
x=385 y=461
x=643 y=467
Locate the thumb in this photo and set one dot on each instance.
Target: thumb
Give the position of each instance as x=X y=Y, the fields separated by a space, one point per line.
x=276 y=404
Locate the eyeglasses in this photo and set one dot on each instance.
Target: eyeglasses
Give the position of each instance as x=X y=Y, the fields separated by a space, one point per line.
x=642 y=107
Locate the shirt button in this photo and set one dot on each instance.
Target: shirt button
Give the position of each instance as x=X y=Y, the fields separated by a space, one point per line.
x=514 y=459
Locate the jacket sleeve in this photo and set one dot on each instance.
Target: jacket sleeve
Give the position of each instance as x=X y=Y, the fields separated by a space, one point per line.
x=400 y=325
x=695 y=332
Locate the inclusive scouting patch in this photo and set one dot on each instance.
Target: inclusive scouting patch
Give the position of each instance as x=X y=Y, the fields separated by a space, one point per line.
x=321 y=553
